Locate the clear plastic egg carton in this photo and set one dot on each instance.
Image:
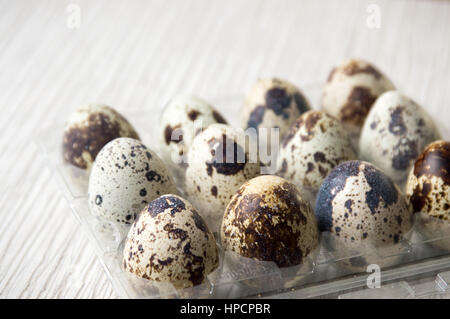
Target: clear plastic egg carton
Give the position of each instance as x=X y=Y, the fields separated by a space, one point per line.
x=324 y=272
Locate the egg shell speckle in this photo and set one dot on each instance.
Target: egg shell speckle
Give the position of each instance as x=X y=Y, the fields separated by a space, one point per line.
x=170 y=242
x=267 y=219
x=395 y=133
x=273 y=103
x=428 y=186
x=125 y=177
x=183 y=118
x=359 y=204
x=314 y=145
x=90 y=128
x=219 y=163
x=350 y=91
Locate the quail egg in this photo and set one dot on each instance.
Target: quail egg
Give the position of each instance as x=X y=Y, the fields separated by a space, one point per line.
x=88 y=129
x=273 y=103
x=363 y=211
x=428 y=186
x=184 y=117
x=126 y=176
x=428 y=189
x=267 y=219
x=395 y=133
x=350 y=91
x=314 y=145
x=170 y=242
x=219 y=162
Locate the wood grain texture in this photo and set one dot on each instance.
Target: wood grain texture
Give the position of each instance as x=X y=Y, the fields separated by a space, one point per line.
x=135 y=55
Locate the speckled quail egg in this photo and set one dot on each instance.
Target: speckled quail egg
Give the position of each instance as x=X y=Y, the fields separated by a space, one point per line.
x=88 y=129
x=314 y=145
x=126 y=176
x=428 y=186
x=428 y=189
x=395 y=133
x=219 y=162
x=170 y=242
x=358 y=202
x=350 y=91
x=273 y=103
x=267 y=219
x=363 y=210
x=184 y=117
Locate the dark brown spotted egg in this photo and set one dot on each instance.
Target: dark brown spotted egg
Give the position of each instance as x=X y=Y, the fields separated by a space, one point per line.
x=395 y=133
x=90 y=128
x=125 y=177
x=273 y=103
x=183 y=118
x=361 y=206
x=350 y=91
x=428 y=190
x=267 y=219
x=428 y=186
x=218 y=164
x=170 y=242
x=314 y=145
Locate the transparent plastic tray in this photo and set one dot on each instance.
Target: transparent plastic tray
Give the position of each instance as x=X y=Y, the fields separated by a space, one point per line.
x=322 y=273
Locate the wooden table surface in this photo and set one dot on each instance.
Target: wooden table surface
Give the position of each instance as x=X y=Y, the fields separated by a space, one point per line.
x=134 y=55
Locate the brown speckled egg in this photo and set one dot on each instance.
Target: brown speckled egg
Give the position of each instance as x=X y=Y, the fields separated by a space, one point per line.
x=267 y=219
x=395 y=133
x=90 y=128
x=125 y=177
x=428 y=190
x=273 y=103
x=184 y=117
x=314 y=145
x=170 y=242
x=350 y=91
x=428 y=186
x=218 y=164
